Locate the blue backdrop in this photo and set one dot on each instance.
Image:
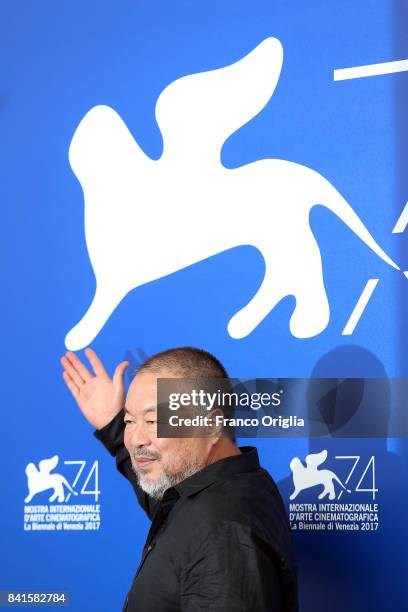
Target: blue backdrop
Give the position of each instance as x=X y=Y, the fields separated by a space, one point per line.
x=59 y=60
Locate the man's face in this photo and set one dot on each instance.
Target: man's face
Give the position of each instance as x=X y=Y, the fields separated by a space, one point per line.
x=159 y=463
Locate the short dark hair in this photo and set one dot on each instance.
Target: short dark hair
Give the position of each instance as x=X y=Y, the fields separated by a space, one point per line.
x=191 y=362
x=186 y=361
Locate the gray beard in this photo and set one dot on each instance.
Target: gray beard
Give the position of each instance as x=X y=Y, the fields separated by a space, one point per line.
x=157 y=488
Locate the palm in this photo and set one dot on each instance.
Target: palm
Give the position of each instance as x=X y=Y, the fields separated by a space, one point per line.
x=96 y=396
x=99 y=397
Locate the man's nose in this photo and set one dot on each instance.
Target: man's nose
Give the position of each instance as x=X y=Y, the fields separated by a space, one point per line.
x=137 y=437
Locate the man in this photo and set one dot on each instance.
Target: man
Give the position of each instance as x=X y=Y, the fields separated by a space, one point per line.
x=219 y=538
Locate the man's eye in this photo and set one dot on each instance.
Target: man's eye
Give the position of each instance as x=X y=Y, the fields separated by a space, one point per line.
x=150 y=422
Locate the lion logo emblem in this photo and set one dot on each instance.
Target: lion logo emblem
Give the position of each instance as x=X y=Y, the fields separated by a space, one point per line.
x=305 y=477
x=41 y=479
x=146 y=219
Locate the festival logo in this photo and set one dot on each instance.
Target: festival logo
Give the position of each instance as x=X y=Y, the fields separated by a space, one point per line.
x=310 y=476
x=41 y=479
x=47 y=486
x=312 y=483
x=132 y=201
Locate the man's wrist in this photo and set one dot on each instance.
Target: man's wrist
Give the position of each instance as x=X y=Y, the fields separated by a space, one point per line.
x=111 y=435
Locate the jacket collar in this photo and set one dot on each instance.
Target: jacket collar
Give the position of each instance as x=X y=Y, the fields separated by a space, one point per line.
x=246 y=461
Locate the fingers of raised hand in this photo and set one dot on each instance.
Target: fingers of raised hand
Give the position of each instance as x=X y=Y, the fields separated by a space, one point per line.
x=77 y=364
x=119 y=372
x=71 y=368
x=96 y=363
x=70 y=384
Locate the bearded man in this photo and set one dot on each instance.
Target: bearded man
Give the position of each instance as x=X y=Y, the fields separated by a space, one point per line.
x=219 y=538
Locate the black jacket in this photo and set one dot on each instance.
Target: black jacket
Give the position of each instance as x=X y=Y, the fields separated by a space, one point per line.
x=219 y=541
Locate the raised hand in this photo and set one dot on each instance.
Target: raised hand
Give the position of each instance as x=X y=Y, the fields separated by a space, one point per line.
x=99 y=397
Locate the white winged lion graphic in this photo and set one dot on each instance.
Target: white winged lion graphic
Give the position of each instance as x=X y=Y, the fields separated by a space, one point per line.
x=41 y=479
x=310 y=476
x=145 y=218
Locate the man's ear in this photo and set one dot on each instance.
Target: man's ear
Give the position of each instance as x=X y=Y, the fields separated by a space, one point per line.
x=214 y=431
